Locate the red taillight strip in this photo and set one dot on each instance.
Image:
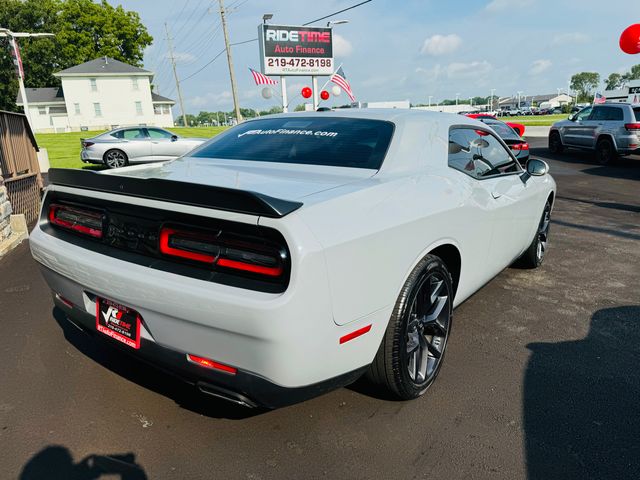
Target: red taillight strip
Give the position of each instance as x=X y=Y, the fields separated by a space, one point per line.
x=632 y=126
x=207 y=363
x=520 y=146
x=165 y=248
x=249 y=267
x=355 y=334
x=73 y=226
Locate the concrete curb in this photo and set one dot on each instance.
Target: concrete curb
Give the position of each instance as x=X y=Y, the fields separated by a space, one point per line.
x=19 y=232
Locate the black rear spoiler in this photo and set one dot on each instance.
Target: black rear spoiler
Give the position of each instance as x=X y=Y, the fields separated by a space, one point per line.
x=195 y=194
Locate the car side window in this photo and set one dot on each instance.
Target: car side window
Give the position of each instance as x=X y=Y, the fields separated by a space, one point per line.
x=583 y=114
x=134 y=134
x=156 y=134
x=479 y=154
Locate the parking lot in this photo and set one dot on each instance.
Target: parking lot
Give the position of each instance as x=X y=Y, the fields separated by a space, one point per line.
x=540 y=380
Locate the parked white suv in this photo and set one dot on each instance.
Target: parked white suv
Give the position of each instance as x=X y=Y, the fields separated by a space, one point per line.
x=610 y=129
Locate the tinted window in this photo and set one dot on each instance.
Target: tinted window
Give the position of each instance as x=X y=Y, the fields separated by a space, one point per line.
x=479 y=154
x=607 y=113
x=637 y=112
x=130 y=134
x=502 y=129
x=156 y=133
x=340 y=142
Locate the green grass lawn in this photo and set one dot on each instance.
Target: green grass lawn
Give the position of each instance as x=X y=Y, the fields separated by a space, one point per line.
x=536 y=120
x=64 y=148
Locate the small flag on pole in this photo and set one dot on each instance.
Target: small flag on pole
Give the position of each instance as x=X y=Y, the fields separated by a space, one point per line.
x=599 y=98
x=261 y=79
x=340 y=79
x=17 y=59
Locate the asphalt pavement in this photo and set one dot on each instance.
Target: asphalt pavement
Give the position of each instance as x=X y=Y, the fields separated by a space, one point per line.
x=541 y=379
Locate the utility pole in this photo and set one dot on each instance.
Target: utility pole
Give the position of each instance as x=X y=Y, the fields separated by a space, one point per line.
x=234 y=90
x=175 y=75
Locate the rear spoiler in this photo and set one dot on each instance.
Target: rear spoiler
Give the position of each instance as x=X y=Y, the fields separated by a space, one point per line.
x=195 y=194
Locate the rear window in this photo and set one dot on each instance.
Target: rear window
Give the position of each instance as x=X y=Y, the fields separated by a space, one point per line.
x=329 y=141
x=502 y=129
x=637 y=112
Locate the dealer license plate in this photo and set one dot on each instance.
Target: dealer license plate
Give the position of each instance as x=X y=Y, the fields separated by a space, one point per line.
x=118 y=322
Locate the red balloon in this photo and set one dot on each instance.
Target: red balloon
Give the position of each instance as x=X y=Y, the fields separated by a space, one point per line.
x=630 y=39
x=324 y=95
x=307 y=92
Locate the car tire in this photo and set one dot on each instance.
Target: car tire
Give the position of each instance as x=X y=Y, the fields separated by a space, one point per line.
x=555 y=143
x=412 y=350
x=115 y=158
x=535 y=253
x=606 y=152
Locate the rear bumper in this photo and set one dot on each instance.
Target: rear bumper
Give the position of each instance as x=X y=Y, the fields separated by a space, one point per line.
x=243 y=388
x=87 y=156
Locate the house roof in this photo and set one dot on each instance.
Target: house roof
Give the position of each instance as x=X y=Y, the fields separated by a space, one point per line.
x=42 y=95
x=103 y=66
x=155 y=98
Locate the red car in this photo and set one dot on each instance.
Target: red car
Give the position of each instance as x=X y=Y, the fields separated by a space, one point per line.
x=509 y=133
x=518 y=127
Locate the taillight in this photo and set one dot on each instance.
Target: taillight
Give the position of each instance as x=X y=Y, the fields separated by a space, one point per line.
x=77 y=219
x=632 y=126
x=87 y=144
x=520 y=146
x=244 y=254
x=207 y=363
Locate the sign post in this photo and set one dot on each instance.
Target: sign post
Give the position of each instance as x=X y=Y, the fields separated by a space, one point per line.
x=283 y=91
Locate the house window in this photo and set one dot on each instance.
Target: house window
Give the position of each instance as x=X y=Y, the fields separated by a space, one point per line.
x=94 y=85
x=42 y=110
x=134 y=83
x=157 y=109
x=97 y=109
x=166 y=109
x=76 y=107
x=138 y=108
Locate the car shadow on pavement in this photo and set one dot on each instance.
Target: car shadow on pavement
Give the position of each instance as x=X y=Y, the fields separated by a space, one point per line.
x=146 y=376
x=581 y=409
x=55 y=462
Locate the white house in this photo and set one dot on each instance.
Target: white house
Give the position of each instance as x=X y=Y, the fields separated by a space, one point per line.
x=98 y=95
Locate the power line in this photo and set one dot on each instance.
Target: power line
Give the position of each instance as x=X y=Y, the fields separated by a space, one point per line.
x=205 y=65
x=335 y=13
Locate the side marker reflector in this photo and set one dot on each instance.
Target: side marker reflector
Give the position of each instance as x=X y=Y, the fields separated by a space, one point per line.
x=205 y=362
x=356 y=334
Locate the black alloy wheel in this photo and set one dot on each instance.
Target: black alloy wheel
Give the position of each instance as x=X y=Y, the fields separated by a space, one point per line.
x=412 y=350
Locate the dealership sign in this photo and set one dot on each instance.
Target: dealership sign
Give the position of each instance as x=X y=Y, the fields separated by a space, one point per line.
x=289 y=50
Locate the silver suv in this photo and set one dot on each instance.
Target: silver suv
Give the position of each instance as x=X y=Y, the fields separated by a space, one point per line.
x=610 y=129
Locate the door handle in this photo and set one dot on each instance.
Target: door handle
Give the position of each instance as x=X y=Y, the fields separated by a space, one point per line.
x=496 y=194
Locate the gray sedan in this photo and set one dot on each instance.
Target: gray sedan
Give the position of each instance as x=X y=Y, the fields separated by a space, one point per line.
x=124 y=146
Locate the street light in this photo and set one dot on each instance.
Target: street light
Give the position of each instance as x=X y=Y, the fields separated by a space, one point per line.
x=493 y=90
x=430 y=97
x=5 y=32
x=457 y=97
x=336 y=22
x=266 y=17
x=519 y=95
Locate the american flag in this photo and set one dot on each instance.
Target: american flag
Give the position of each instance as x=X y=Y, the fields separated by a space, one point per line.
x=340 y=79
x=17 y=59
x=599 y=98
x=261 y=79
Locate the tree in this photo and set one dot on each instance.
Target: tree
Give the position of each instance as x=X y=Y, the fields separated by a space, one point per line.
x=614 y=81
x=192 y=120
x=83 y=30
x=585 y=83
x=634 y=74
x=299 y=108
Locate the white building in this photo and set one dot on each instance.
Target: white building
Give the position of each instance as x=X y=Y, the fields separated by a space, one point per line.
x=628 y=94
x=98 y=95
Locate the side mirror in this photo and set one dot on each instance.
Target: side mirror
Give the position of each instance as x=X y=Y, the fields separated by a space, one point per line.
x=537 y=168
x=174 y=138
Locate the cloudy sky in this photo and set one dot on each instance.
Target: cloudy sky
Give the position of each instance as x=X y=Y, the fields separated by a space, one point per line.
x=395 y=49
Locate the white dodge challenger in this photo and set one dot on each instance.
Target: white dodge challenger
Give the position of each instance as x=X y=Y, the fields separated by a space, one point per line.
x=292 y=254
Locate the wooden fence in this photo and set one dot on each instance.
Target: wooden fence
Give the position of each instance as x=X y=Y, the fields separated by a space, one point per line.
x=19 y=165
